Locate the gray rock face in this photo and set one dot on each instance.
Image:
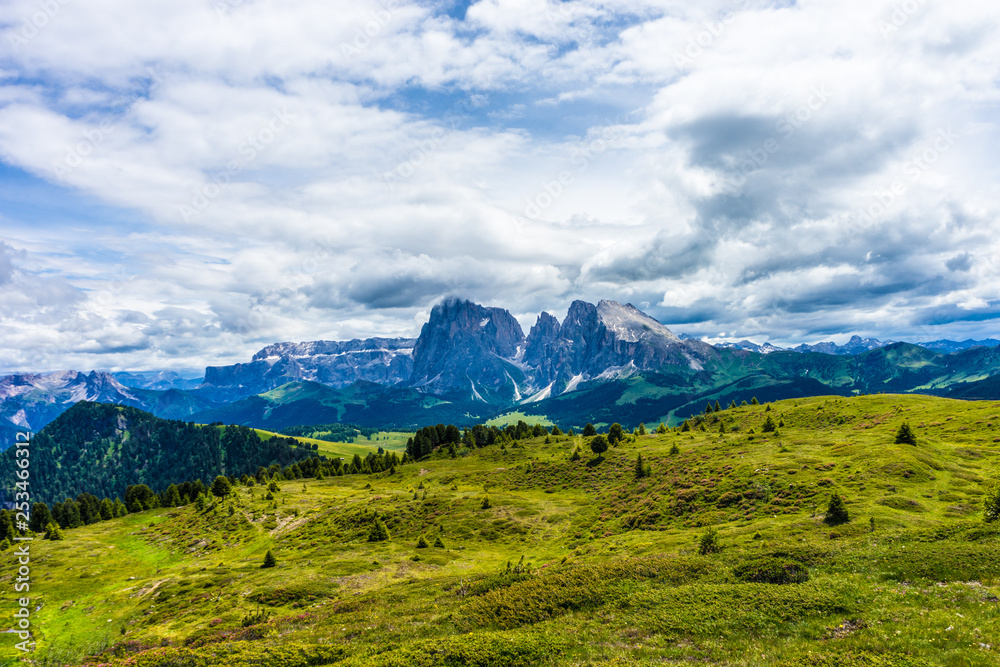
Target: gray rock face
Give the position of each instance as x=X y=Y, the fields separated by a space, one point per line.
x=856 y=345
x=31 y=400
x=466 y=347
x=605 y=341
x=335 y=363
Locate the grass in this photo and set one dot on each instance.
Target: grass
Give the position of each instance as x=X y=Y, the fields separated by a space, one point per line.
x=363 y=445
x=574 y=563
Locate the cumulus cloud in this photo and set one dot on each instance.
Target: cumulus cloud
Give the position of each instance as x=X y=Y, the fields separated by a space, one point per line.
x=754 y=167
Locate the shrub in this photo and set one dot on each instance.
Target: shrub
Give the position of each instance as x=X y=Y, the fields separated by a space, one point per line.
x=486 y=504
x=599 y=444
x=769 y=425
x=422 y=542
x=905 y=436
x=709 y=542
x=771 y=570
x=836 y=511
x=991 y=504
x=269 y=560
x=675 y=450
x=379 y=532
x=53 y=532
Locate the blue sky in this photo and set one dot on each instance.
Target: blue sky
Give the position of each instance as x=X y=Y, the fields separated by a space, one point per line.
x=185 y=181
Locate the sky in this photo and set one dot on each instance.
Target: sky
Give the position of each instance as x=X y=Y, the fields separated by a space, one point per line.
x=185 y=181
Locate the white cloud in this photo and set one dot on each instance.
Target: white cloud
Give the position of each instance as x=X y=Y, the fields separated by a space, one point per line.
x=328 y=170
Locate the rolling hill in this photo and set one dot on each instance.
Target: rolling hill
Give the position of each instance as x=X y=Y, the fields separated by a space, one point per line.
x=537 y=556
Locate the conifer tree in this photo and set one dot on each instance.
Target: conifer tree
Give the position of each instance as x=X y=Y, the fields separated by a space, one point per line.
x=718 y=408
x=379 y=531
x=661 y=429
x=422 y=542
x=486 y=503
x=642 y=429
x=768 y=426
x=732 y=405
x=40 y=517
x=438 y=543
x=754 y=401
x=722 y=427
x=269 y=560
x=675 y=450
x=991 y=504
x=685 y=426
x=836 y=511
x=589 y=430
x=640 y=468
x=107 y=510
x=53 y=532
x=708 y=408
x=615 y=434
x=905 y=435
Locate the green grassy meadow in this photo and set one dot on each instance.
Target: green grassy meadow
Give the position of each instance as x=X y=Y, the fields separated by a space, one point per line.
x=570 y=562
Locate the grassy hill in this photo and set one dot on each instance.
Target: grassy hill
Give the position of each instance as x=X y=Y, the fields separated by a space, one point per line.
x=571 y=562
x=394 y=441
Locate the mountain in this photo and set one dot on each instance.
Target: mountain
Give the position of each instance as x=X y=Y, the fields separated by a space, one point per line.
x=766 y=348
x=606 y=341
x=101 y=448
x=157 y=380
x=468 y=348
x=362 y=403
x=32 y=400
x=856 y=345
x=948 y=346
x=333 y=363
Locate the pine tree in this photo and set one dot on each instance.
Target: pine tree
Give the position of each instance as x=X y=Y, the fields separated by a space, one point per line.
x=836 y=511
x=589 y=430
x=269 y=560
x=642 y=429
x=40 y=517
x=754 y=401
x=640 y=468
x=661 y=429
x=438 y=543
x=905 y=436
x=575 y=456
x=767 y=408
x=422 y=543
x=615 y=434
x=107 y=510
x=718 y=408
x=53 y=532
x=685 y=426
x=674 y=450
x=732 y=405
x=768 y=426
x=708 y=408
x=379 y=531
x=486 y=503
x=709 y=542
x=991 y=504
x=722 y=427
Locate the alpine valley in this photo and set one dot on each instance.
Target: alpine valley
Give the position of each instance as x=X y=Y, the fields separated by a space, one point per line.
x=602 y=363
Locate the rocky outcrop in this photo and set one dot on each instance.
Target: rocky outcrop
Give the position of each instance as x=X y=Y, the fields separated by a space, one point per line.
x=465 y=347
x=337 y=364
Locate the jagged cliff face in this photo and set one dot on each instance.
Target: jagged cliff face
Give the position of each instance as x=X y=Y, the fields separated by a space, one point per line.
x=465 y=347
x=604 y=341
x=335 y=363
x=31 y=400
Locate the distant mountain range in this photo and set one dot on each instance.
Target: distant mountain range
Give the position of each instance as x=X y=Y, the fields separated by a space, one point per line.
x=607 y=361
